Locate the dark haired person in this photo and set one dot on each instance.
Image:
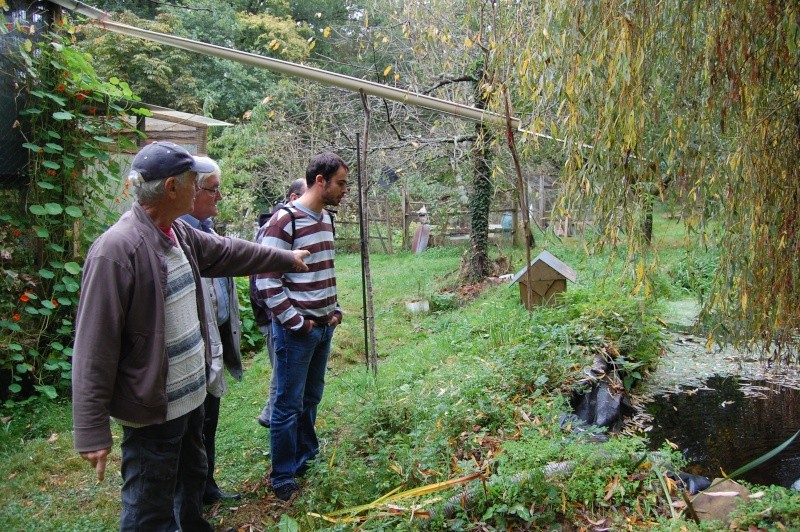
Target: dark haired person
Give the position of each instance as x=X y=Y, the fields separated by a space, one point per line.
x=142 y=343
x=260 y=311
x=305 y=313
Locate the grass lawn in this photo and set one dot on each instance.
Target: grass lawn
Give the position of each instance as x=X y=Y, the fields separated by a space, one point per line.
x=473 y=390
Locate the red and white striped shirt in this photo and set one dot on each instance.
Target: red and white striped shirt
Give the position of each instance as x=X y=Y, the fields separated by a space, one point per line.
x=294 y=298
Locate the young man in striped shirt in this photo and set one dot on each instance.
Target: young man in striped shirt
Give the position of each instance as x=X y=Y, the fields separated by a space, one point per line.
x=305 y=313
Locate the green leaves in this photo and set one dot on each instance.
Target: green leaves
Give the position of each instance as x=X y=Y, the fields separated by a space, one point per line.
x=73 y=267
x=63 y=115
x=66 y=136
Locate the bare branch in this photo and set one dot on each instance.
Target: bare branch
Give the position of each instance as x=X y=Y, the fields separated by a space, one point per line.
x=450 y=81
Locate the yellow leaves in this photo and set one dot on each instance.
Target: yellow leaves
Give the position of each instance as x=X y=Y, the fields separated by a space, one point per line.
x=468 y=42
x=709 y=343
x=312 y=42
x=387 y=70
x=326 y=32
x=611 y=488
x=640 y=279
x=27 y=45
x=349 y=515
x=274 y=44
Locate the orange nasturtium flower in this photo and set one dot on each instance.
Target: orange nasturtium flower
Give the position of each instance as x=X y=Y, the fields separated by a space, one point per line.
x=24 y=298
x=16 y=317
x=54 y=302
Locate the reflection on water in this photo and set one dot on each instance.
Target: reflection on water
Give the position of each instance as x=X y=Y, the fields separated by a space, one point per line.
x=720 y=428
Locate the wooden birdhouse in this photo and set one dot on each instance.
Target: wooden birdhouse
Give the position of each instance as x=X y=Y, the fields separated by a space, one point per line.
x=547 y=277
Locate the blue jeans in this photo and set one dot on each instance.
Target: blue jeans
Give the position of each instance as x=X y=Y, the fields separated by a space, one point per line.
x=300 y=363
x=164 y=473
x=266 y=412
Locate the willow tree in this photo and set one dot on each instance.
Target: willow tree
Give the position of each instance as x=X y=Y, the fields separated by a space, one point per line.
x=692 y=102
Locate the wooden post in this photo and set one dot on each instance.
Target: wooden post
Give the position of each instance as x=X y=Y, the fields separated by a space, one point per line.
x=389 y=225
x=369 y=311
x=406 y=244
x=541 y=200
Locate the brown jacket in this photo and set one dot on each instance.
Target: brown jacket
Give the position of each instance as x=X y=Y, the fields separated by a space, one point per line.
x=119 y=361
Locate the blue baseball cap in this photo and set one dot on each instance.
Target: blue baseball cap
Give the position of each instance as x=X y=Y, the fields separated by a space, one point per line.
x=161 y=160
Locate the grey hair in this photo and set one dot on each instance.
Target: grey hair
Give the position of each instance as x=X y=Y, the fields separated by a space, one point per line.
x=203 y=177
x=151 y=191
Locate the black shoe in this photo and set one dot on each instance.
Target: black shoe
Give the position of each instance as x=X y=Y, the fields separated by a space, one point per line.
x=216 y=496
x=286 y=492
x=263 y=422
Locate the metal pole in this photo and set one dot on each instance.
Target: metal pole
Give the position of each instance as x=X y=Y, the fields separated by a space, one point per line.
x=363 y=253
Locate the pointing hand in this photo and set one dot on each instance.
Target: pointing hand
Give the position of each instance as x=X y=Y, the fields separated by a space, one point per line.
x=299 y=255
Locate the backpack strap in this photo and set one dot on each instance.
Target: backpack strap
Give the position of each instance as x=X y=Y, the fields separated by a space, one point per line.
x=332 y=215
x=291 y=215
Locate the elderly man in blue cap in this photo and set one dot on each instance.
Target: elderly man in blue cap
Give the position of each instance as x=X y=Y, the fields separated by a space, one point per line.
x=142 y=343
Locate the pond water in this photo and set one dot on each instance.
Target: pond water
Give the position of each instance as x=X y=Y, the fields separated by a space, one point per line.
x=727 y=421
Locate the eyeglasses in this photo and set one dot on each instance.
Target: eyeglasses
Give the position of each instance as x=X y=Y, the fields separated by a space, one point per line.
x=213 y=191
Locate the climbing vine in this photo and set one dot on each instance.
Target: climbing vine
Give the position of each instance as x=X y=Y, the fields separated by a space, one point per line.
x=74 y=126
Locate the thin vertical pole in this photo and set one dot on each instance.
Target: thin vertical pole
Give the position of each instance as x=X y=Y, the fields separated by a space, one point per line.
x=363 y=252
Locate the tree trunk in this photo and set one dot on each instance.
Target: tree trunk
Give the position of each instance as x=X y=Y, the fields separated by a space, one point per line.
x=479 y=266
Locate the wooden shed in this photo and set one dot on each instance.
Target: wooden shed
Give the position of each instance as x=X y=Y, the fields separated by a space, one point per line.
x=187 y=129
x=548 y=277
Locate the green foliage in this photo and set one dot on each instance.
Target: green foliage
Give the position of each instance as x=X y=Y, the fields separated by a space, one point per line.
x=695 y=274
x=479 y=389
x=252 y=340
x=160 y=74
x=266 y=34
x=695 y=103
x=550 y=466
x=777 y=509
x=191 y=82
x=443 y=301
x=74 y=120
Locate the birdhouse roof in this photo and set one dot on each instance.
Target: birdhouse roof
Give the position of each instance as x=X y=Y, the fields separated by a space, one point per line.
x=547 y=267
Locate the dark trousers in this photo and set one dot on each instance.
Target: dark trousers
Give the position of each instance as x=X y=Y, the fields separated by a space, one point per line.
x=164 y=472
x=209 y=439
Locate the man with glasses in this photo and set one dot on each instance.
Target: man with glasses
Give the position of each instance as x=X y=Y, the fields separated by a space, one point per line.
x=142 y=343
x=224 y=326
